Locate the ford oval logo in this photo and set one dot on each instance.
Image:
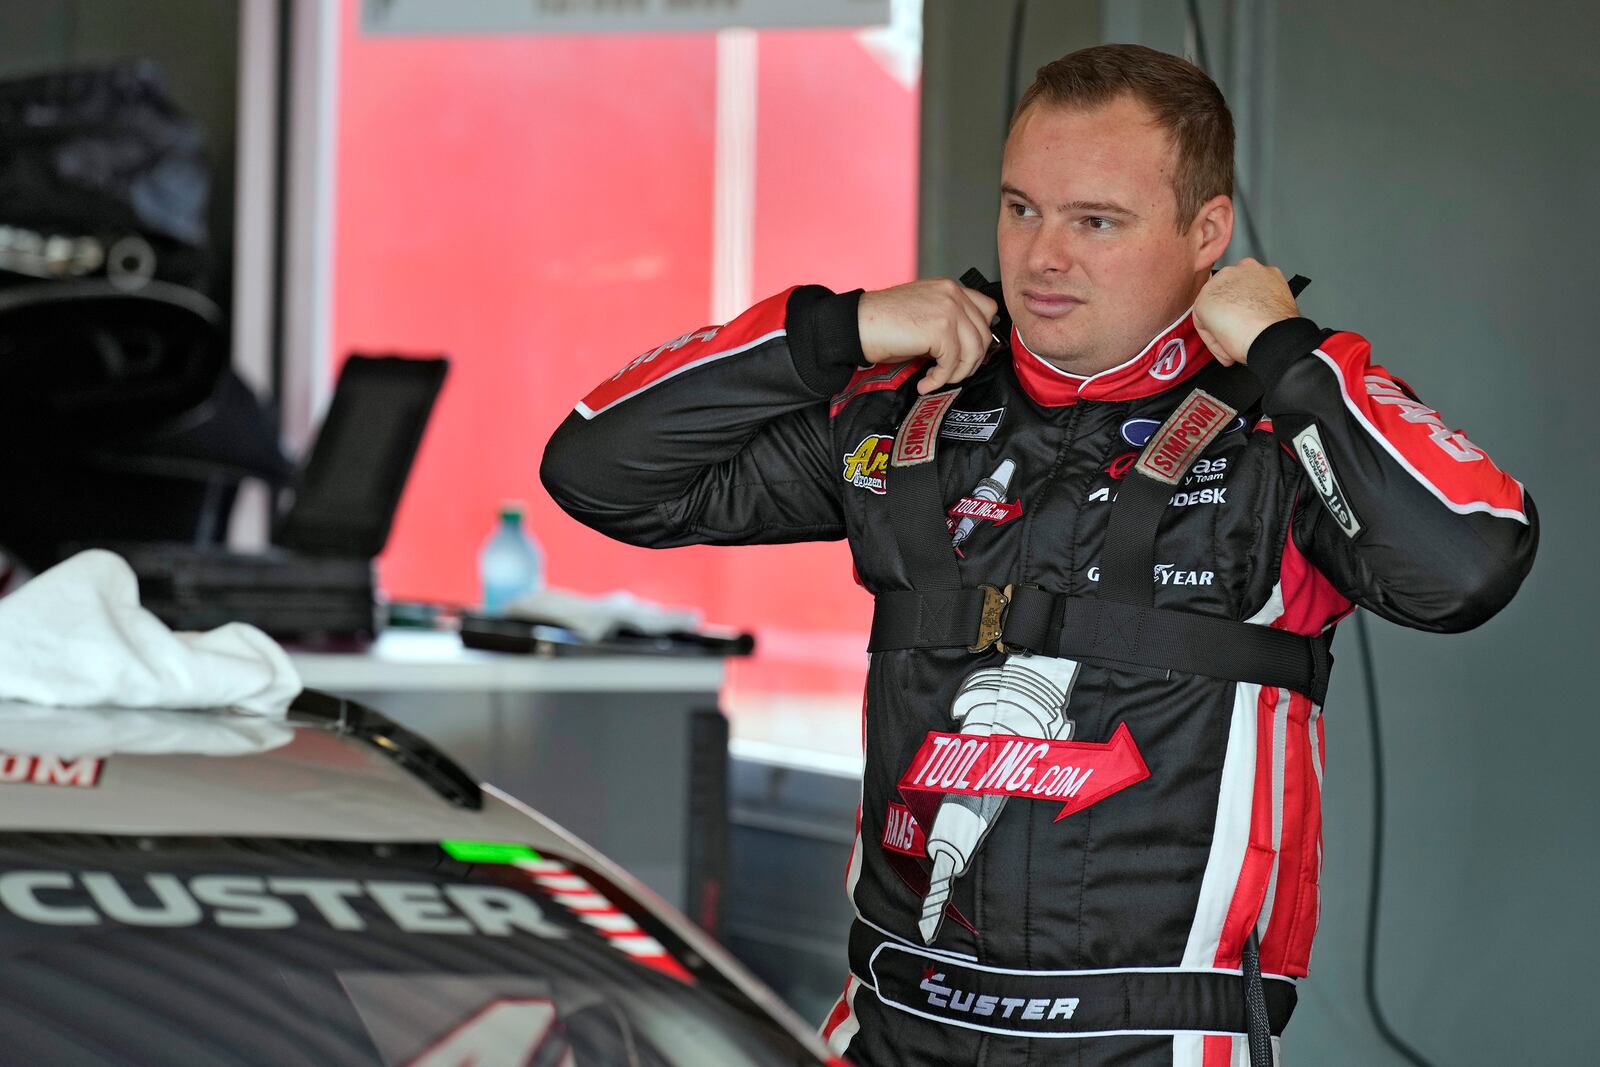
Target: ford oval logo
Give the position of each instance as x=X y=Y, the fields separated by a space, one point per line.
x=1137 y=432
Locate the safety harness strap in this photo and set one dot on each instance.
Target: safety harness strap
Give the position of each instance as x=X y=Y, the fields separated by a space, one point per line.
x=917 y=517
x=1217 y=395
x=1103 y=632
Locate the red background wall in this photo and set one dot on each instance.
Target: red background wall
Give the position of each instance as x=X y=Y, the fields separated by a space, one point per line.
x=540 y=209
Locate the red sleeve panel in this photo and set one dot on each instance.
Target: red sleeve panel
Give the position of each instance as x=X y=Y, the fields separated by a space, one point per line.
x=1454 y=470
x=1398 y=511
x=697 y=348
x=720 y=436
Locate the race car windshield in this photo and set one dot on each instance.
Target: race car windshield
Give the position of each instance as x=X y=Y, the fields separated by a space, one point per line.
x=228 y=952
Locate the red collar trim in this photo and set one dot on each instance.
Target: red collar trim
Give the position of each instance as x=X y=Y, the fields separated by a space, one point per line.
x=1173 y=355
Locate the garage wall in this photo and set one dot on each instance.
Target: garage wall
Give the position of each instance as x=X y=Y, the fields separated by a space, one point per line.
x=1431 y=166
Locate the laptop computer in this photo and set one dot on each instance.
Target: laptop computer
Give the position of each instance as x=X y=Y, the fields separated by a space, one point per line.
x=316 y=579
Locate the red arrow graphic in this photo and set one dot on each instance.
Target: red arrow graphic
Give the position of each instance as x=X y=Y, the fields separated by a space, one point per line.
x=998 y=512
x=1123 y=765
x=1077 y=773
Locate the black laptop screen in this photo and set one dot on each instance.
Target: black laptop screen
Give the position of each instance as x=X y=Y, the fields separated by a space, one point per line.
x=358 y=466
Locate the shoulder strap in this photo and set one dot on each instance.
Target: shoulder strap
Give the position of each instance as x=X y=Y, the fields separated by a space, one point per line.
x=916 y=499
x=1218 y=394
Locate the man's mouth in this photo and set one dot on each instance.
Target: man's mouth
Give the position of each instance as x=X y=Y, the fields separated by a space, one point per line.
x=1049 y=305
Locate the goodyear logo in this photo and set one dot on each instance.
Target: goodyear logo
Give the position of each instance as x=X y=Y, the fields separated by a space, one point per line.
x=867 y=466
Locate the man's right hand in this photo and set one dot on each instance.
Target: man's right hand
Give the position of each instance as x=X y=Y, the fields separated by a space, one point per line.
x=936 y=317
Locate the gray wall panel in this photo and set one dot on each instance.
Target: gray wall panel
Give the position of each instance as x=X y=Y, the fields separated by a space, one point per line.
x=1433 y=169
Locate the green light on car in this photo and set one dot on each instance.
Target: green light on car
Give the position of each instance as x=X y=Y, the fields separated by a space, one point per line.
x=489 y=852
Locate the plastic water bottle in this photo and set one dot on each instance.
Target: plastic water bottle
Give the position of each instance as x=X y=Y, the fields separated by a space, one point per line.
x=510 y=565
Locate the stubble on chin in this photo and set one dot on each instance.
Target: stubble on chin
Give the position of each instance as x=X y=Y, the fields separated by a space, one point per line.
x=1062 y=349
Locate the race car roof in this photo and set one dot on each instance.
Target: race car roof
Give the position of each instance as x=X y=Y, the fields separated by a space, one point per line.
x=341 y=774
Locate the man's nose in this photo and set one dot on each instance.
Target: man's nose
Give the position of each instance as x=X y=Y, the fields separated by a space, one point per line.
x=1052 y=250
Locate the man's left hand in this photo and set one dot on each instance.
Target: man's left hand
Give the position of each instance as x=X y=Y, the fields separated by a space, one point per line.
x=1237 y=304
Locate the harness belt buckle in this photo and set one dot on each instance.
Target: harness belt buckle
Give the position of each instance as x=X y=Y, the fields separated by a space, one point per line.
x=992 y=618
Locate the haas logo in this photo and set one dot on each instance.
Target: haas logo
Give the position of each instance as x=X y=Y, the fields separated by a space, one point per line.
x=1170 y=363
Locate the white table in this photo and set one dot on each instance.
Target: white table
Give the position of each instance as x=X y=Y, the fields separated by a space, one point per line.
x=627 y=752
x=430 y=661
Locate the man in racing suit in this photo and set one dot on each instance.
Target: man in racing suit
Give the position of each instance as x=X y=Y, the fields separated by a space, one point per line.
x=1091 y=803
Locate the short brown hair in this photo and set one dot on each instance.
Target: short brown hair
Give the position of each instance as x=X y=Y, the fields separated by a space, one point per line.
x=1186 y=103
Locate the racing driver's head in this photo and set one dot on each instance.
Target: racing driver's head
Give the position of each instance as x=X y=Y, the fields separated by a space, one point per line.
x=1115 y=201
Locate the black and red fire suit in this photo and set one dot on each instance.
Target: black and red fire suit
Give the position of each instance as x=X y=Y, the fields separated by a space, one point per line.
x=1065 y=856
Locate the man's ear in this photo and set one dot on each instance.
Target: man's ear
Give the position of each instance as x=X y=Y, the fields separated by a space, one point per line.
x=1211 y=231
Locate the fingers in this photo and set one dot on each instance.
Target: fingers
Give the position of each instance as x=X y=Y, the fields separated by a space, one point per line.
x=985 y=307
x=938 y=318
x=956 y=358
x=981 y=318
x=1217 y=351
x=962 y=338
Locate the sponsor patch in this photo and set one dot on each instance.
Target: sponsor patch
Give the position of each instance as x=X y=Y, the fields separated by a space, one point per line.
x=971 y=425
x=998 y=512
x=1308 y=446
x=1185 y=434
x=1075 y=774
x=82 y=773
x=1138 y=431
x=1203 y=471
x=1118 y=468
x=866 y=467
x=1166 y=574
x=1170 y=363
x=1452 y=443
x=901 y=833
x=986 y=503
x=989 y=999
x=1218 y=495
x=1207 y=470
x=919 y=433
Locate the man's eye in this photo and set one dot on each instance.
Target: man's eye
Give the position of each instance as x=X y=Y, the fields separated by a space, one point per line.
x=1019 y=211
x=1097 y=222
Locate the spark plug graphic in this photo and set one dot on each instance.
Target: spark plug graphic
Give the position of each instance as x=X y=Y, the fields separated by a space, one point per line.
x=991 y=489
x=1023 y=697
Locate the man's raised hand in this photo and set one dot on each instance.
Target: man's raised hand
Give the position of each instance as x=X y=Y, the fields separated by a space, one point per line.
x=934 y=317
x=1237 y=303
